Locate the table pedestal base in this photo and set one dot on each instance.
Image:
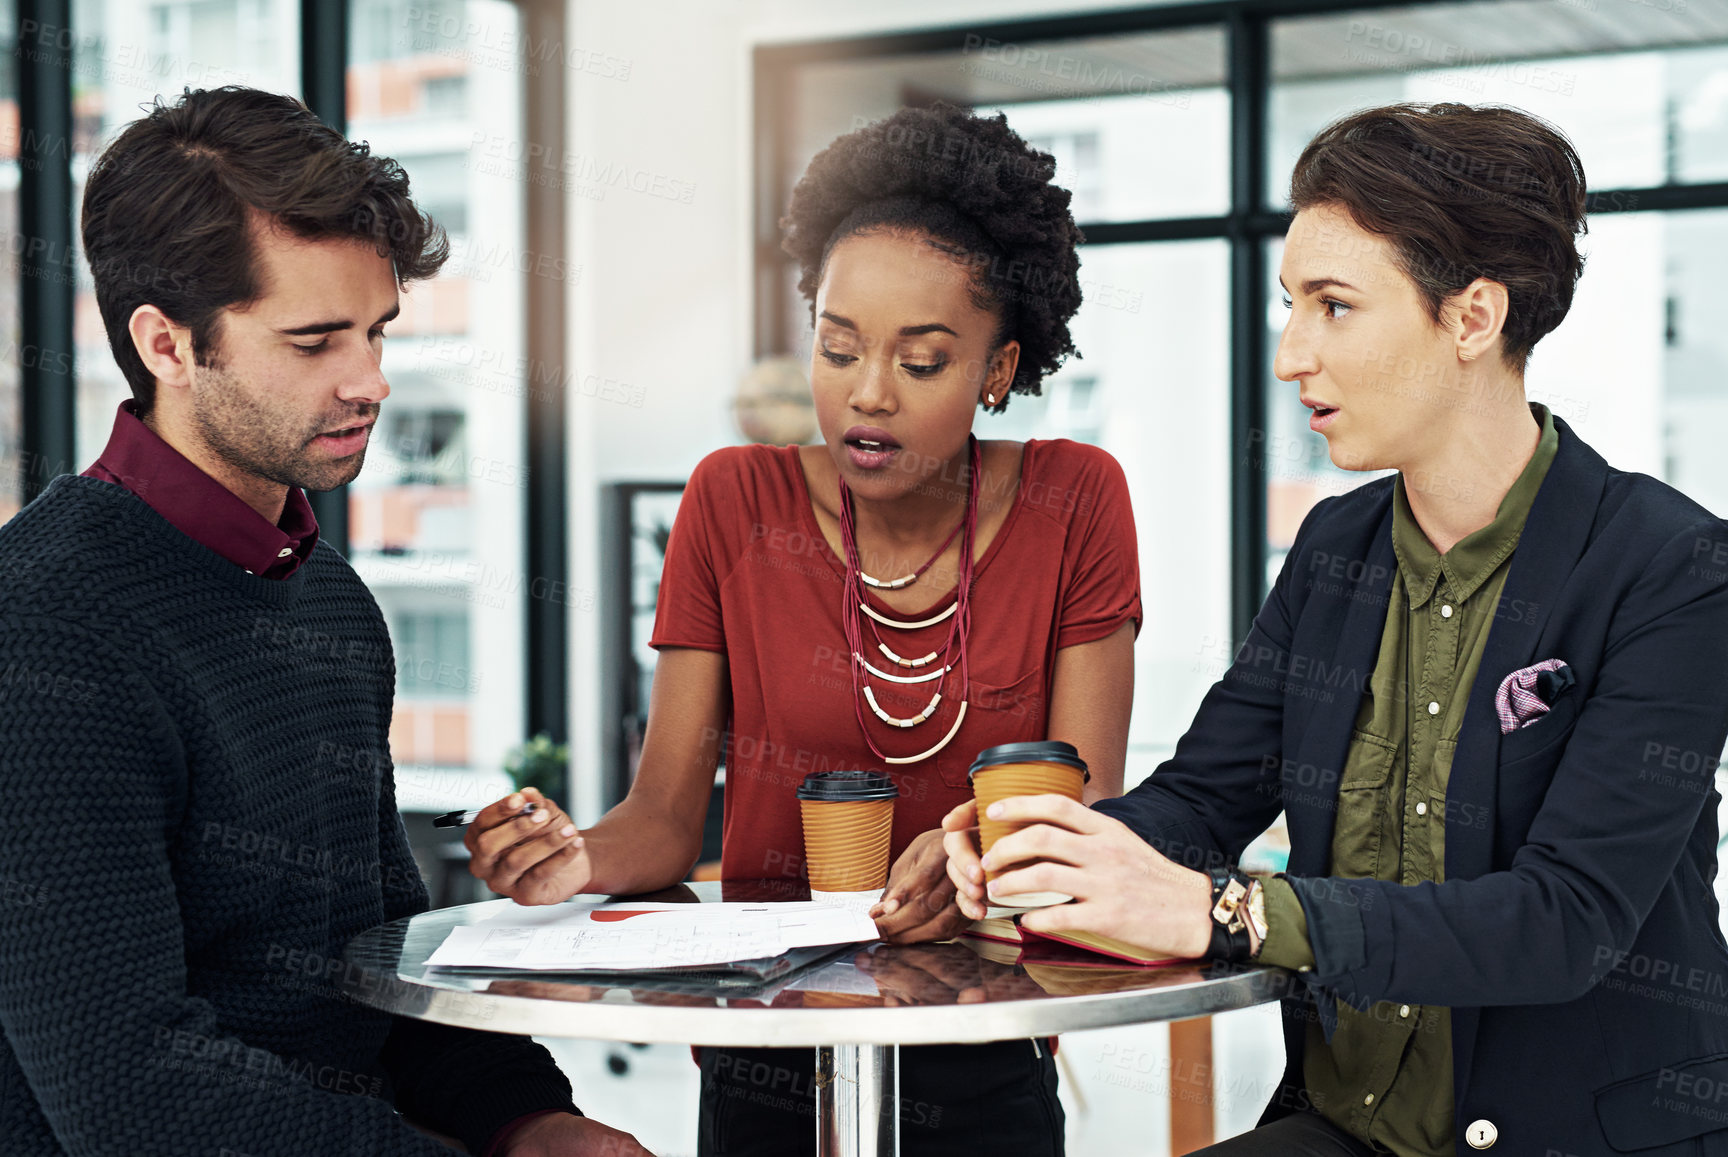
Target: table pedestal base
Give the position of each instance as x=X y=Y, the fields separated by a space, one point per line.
x=858 y=1101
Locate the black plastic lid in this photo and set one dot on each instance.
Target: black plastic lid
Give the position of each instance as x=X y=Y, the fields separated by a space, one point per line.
x=848 y=786
x=1036 y=751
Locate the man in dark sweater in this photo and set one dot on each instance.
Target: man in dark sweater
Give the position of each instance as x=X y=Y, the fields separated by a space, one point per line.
x=181 y=864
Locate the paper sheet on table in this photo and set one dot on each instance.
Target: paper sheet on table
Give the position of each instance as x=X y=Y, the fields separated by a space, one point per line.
x=840 y=976
x=626 y=937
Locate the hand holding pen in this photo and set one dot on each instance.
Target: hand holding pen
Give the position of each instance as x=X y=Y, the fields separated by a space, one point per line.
x=526 y=848
x=463 y=819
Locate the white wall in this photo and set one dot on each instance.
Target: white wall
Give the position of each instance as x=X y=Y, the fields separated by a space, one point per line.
x=494 y=430
x=663 y=300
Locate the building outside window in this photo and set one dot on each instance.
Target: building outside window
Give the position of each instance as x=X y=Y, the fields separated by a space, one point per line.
x=1637 y=368
x=436 y=517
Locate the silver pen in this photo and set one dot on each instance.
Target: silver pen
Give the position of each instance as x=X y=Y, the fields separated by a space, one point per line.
x=463 y=819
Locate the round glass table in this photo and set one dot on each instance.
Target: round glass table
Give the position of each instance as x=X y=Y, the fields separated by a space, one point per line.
x=854 y=1008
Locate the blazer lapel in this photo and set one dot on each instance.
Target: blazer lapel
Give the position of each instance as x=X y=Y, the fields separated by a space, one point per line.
x=1346 y=633
x=1548 y=551
x=1553 y=540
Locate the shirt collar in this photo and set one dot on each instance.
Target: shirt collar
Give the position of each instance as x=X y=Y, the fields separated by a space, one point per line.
x=1476 y=556
x=199 y=506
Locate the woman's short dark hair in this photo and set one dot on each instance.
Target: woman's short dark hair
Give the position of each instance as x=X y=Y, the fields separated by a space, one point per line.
x=1461 y=192
x=973 y=188
x=169 y=209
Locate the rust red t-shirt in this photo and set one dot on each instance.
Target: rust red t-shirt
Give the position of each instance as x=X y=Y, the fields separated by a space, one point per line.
x=748 y=574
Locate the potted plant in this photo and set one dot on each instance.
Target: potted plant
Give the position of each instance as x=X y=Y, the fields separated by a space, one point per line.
x=539 y=763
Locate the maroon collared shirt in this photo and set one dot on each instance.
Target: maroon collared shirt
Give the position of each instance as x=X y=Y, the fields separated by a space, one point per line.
x=200 y=507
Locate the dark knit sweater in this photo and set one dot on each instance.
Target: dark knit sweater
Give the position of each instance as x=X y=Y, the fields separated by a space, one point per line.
x=197 y=812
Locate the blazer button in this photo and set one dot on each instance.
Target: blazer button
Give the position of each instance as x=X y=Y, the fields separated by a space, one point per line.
x=1481 y=1134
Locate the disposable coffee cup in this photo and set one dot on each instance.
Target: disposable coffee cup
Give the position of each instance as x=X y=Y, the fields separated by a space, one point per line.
x=1042 y=767
x=848 y=823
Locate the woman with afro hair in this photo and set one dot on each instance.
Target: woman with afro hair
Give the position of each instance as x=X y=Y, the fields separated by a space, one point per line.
x=898 y=597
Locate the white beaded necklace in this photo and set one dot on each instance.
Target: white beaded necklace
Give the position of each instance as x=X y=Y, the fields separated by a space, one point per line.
x=960 y=611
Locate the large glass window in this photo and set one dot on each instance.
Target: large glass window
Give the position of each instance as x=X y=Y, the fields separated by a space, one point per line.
x=1150 y=109
x=436 y=513
x=1137 y=124
x=127 y=55
x=1639 y=364
x=1154 y=329
x=1636 y=368
x=1638 y=87
x=436 y=517
x=1155 y=332
x=1298 y=469
x=1694 y=362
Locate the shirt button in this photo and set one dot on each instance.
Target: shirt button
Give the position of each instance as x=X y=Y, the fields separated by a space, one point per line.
x=1446 y=612
x=1369 y=1099
x=1421 y=809
x=1481 y=1134
x=285 y=552
x=1403 y=1010
x=1433 y=708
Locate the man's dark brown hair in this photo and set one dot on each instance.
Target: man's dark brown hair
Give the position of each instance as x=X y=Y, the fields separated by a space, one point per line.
x=1461 y=193
x=169 y=208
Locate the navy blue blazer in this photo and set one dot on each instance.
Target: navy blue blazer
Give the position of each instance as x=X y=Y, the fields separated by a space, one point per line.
x=1576 y=935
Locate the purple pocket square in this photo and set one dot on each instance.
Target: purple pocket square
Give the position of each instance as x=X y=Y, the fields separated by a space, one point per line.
x=1526 y=694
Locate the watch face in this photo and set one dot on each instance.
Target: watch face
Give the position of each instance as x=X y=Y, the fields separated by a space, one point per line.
x=1257 y=910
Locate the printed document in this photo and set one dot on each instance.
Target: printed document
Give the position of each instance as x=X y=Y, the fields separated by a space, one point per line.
x=626 y=937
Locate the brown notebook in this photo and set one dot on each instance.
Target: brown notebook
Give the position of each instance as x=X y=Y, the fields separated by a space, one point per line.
x=1003 y=925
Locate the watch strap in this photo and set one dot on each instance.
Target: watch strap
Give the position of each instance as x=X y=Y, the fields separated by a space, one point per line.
x=1231 y=888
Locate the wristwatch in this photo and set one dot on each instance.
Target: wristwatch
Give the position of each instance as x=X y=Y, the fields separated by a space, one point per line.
x=1238 y=915
x=1256 y=906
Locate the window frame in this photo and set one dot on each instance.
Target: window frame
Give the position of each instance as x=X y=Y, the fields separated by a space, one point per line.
x=47 y=391
x=1247 y=26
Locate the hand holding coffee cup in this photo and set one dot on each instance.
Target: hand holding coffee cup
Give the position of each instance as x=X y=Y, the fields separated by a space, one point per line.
x=1041 y=767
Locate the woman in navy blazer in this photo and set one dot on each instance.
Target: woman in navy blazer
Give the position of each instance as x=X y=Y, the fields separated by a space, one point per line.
x=1574 y=935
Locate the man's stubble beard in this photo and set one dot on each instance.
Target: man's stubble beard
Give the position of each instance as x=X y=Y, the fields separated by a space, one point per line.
x=251 y=438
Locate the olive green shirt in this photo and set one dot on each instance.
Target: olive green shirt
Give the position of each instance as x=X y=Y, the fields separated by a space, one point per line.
x=1386 y=1075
